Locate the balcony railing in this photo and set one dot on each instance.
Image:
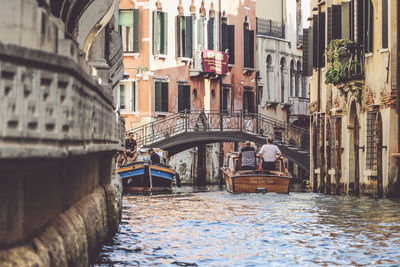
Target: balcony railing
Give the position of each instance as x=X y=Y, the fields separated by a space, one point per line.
x=299 y=106
x=270 y=28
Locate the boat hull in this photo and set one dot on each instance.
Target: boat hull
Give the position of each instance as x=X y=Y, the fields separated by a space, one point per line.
x=252 y=182
x=146 y=178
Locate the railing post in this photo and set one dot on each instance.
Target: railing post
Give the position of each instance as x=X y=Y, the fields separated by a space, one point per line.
x=221 y=121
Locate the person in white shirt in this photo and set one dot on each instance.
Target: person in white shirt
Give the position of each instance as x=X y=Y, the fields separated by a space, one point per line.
x=270 y=154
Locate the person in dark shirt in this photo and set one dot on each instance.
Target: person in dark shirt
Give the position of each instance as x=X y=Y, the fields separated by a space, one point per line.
x=130 y=148
x=154 y=157
x=248 y=156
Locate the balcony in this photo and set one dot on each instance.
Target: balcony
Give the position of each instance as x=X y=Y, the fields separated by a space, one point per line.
x=346 y=66
x=299 y=106
x=270 y=28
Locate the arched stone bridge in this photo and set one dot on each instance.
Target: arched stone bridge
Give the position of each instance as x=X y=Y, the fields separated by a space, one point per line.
x=189 y=129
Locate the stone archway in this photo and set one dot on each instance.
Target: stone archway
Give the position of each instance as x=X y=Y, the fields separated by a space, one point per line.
x=353 y=127
x=378 y=142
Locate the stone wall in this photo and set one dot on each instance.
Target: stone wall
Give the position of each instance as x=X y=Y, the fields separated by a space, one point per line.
x=60 y=197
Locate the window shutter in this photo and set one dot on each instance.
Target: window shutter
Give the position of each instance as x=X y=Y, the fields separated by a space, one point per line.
x=231 y=44
x=158 y=96
x=370 y=26
x=330 y=26
x=155 y=32
x=180 y=98
x=133 y=96
x=251 y=49
x=210 y=34
x=200 y=33
x=336 y=22
x=164 y=33
x=164 y=97
x=346 y=20
x=315 y=41
x=178 y=36
x=136 y=30
x=188 y=36
x=321 y=38
x=385 y=39
x=224 y=36
x=246 y=45
x=307 y=51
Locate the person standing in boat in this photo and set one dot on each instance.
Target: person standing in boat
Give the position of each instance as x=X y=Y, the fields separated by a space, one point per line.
x=154 y=157
x=270 y=154
x=130 y=148
x=248 y=156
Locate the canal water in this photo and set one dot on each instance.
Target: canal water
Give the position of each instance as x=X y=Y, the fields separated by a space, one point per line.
x=216 y=228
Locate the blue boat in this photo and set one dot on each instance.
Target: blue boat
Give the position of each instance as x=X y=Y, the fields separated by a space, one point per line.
x=142 y=176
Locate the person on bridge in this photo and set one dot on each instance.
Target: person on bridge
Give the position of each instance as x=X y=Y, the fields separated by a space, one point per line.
x=154 y=157
x=248 y=156
x=270 y=154
x=130 y=149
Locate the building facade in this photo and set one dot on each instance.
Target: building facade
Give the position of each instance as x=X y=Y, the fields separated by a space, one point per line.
x=351 y=54
x=164 y=46
x=283 y=90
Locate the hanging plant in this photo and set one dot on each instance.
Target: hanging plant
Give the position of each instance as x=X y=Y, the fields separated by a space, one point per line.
x=342 y=66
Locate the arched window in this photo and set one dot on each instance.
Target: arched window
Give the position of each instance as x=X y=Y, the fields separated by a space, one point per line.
x=283 y=74
x=270 y=80
x=292 y=79
x=298 y=91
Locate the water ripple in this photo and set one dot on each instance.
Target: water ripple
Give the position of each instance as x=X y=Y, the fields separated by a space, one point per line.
x=222 y=229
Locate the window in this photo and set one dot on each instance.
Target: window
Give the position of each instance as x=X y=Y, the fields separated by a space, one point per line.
x=283 y=80
x=122 y=96
x=161 y=96
x=365 y=24
x=183 y=97
x=270 y=80
x=248 y=101
x=248 y=47
x=335 y=23
x=184 y=26
x=160 y=33
x=292 y=79
x=319 y=40
x=200 y=34
x=371 y=145
x=228 y=42
x=129 y=28
x=385 y=25
x=127 y=97
x=211 y=34
x=226 y=99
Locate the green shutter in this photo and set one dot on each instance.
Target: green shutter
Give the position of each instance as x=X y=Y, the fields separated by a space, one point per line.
x=315 y=41
x=136 y=31
x=251 y=49
x=133 y=97
x=210 y=34
x=188 y=36
x=307 y=51
x=122 y=96
x=155 y=33
x=385 y=39
x=164 y=33
x=321 y=38
x=231 y=43
x=164 y=100
x=157 y=96
x=178 y=36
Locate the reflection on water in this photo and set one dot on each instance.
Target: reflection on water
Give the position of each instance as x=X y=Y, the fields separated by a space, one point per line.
x=221 y=229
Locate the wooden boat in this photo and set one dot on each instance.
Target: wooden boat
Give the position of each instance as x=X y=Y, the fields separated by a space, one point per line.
x=142 y=176
x=249 y=181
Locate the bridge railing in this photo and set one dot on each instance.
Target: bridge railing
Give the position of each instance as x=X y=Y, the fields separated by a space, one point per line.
x=208 y=121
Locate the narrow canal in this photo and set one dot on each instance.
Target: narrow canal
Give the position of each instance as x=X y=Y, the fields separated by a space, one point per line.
x=216 y=228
